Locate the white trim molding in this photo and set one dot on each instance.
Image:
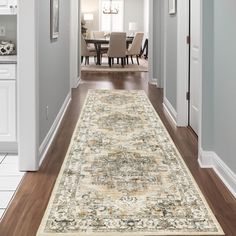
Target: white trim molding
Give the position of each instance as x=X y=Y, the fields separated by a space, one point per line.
x=212 y=160
x=78 y=82
x=27 y=86
x=74 y=43
x=205 y=158
x=200 y=86
x=182 y=62
x=153 y=81
x=150 y=42
x=164 y=45
x=169 y=110
x=44 y=147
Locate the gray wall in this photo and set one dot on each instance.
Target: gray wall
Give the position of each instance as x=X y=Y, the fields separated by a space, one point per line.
x=54 y=70
x=219 y=83
x=208 y=76
x=91 y=6
x=225 y=80
x=10 y=23
x=171 y=57
x=133 y=12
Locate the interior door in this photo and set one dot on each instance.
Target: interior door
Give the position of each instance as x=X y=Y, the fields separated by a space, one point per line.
x=195 y=30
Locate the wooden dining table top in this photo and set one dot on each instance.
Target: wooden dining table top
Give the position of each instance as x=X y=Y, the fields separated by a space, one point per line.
x=105 y=40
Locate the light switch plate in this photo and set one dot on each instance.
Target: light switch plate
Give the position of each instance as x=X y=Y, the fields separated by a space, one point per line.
x=2 y=30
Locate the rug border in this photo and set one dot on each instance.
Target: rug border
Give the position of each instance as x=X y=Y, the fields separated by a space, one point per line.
x=112 y=70
x=107 y=69
x=189 y=172
x=53 y=193
x=164 y=233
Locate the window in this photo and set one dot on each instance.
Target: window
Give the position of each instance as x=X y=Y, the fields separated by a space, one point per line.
x=111 y=15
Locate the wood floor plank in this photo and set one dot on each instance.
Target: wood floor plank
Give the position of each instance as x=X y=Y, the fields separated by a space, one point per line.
x=26 y=210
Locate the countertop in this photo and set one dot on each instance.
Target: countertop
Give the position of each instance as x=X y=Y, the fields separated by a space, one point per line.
x=12 y=59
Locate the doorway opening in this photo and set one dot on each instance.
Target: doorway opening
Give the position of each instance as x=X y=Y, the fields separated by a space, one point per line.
x=90 y=17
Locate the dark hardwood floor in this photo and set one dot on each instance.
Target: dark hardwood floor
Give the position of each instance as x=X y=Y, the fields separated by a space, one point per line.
x=26 y=210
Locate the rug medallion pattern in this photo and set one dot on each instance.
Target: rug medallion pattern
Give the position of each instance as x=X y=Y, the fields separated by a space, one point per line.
x=124 y=176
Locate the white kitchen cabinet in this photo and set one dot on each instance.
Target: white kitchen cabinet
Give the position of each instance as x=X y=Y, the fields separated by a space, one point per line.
x=8 y=7
x=7 y=103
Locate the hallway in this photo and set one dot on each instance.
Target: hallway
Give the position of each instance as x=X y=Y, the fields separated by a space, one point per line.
x=28 y=206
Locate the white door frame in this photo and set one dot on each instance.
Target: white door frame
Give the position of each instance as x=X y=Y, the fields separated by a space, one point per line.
x=182 y=62
x=151 y=80
x=27 y=85
x=74 y=44
x=200 y=83
x=183 y=67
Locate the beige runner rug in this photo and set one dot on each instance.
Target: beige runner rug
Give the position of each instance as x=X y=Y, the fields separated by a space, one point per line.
x=123 y=176
x=142 y=67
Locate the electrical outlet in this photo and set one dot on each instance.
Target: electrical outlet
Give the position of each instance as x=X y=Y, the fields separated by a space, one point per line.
x=2 y=31
x=47 y=111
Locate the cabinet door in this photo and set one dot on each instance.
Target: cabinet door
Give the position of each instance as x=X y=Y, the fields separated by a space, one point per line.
x=7 y=111
x=8 y=7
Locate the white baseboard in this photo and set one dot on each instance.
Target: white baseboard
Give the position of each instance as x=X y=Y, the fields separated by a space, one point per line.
x=43 y=149
x=170 y=111
x=153 y=81
x=9 y=147
x=212 y=160
x=158 y=84
x=78 y=82
x=205 y=159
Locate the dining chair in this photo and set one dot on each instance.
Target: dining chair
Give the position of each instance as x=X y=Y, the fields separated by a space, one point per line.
x=135 y=48
x=117 y=47
x=98 y=34
x=86 y=51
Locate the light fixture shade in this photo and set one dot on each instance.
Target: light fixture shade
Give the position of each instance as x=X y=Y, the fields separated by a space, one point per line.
x=88 y=16
x=133 y=26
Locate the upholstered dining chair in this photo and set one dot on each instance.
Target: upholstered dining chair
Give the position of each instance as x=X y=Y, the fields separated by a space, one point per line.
x=86 y=51
x=117 y=47
x=135 y=48
x=98 y=34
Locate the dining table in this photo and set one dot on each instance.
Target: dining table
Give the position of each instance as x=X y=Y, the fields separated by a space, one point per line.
x=98 y=42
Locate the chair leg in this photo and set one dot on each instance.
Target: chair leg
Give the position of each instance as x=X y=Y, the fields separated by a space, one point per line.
x=132 y=59
x=87 y=60
x=82 y=58
x=112 y=60
x=137 y=59
x=109 y=61
x=127 y=58
x=122 y=62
